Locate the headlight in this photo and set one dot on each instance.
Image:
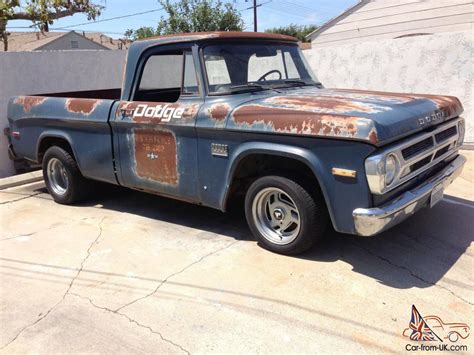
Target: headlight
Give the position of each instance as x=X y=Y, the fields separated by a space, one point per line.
x=391 y=169
x=382 y=171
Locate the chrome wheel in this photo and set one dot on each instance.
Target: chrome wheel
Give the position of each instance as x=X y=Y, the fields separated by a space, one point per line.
x=57 y=176
x=276 y=216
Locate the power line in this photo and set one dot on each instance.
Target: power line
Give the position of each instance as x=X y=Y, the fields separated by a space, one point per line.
x=108 y=19
x=287 y=12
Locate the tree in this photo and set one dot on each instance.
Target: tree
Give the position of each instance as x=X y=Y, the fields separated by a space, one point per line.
x=142 y=32
x=42 y=12
x=298 y=31
x=193 y=16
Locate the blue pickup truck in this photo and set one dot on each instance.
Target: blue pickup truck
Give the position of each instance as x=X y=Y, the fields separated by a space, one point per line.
x=208 y=117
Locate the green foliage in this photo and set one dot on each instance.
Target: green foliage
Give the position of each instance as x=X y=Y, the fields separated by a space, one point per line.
x=298 y=31
x=193 y=16
x=42 y=12
x=142 y=32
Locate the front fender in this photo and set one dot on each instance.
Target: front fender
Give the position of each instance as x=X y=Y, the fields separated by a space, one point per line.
x=342 y=195
x=303 y=155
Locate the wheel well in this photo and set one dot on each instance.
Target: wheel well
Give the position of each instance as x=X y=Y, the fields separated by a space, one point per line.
x=257 y=165
x=49 y=142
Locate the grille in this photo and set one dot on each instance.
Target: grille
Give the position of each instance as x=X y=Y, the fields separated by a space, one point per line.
x=416 y=154
x=419 y=164
x=417 y=148
x=448 y=133
x=441 y=151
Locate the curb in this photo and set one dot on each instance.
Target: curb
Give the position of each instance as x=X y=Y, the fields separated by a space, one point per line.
x=21 y=179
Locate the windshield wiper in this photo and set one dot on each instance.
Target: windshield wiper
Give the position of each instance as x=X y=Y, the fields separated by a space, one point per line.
x=296 y=82
x=251 y=86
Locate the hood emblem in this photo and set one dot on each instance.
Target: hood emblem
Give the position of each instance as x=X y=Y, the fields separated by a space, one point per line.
x=434 y=117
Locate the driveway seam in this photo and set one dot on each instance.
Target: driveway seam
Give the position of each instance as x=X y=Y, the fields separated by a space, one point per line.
x=175 y=274
x=64 y=295
x=412 y=273
x=19 y=199
x=131 y=320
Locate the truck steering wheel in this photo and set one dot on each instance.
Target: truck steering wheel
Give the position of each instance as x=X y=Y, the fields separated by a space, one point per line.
x=263 y=77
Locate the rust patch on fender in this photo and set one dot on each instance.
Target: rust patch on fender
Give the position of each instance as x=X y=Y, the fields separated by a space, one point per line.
x=219 y=111
x=300 y=122
x=84 y=106
x=322 y=104
x=28 y=102
x=449 y=104
x=156 y=155
x=373 y=136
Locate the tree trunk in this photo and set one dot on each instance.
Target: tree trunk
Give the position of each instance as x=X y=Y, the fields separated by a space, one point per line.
x=4 y=34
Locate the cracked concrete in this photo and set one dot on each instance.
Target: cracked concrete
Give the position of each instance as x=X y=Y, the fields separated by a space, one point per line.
x=134 y=273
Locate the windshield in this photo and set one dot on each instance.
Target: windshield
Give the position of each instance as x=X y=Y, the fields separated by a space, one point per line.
x=240 y=67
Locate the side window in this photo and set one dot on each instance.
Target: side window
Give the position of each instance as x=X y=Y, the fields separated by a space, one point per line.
x=162 y=72
x=166 y=76
x=190 y=84
x=217 y=72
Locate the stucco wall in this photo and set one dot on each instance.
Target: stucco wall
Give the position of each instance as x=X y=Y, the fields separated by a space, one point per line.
x=23 y=73
x=435 y=64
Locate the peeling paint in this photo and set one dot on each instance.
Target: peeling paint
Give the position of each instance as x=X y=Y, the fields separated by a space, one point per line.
x=449 y=104
x=219 y=111
x=196 y=36
x=28 y=102
x=324 y=104
x=156 y=155
x=373 y=136
x=83 y=106
x=302 y=122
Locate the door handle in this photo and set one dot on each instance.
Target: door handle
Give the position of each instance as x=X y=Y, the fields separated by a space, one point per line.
x=126 y=113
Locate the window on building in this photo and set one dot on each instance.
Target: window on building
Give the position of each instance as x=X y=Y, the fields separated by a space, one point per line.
x=74 y=44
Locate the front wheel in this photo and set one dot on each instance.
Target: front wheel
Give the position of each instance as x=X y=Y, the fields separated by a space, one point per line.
x=284 y=216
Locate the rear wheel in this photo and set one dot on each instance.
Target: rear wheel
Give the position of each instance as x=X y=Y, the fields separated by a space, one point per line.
x=63 y=179
x=285 y=216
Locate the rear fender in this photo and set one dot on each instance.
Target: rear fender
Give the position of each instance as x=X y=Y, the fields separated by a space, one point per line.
x=56 y=134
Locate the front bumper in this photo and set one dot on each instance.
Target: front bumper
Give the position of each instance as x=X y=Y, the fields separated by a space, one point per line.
x=370 y=221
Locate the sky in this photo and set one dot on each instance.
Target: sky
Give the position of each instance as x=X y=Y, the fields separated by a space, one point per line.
x=272 y=13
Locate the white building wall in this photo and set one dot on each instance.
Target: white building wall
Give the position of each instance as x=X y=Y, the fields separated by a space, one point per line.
x=435 y=64
x=383 y=19
x=30 y=73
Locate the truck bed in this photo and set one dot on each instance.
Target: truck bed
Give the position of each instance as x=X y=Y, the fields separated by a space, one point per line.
x=78 y=118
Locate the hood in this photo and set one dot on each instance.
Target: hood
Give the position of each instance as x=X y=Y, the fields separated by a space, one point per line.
x=374 y=117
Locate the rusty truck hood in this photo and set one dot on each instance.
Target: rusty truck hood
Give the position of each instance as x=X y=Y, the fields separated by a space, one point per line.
x=375 y=117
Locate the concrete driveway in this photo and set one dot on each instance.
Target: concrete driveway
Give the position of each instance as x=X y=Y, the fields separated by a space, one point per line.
x=133 y=273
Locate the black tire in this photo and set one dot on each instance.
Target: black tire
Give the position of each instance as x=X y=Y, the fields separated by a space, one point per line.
x=78 y=188
x=311 y=210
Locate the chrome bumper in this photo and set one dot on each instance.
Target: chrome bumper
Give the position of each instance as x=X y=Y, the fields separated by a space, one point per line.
x=370 y=221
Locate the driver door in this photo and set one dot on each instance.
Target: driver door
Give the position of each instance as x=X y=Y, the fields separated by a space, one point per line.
x=156 y=130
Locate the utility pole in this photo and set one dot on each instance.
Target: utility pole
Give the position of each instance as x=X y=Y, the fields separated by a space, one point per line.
x=254 y=7
x=255 y=15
